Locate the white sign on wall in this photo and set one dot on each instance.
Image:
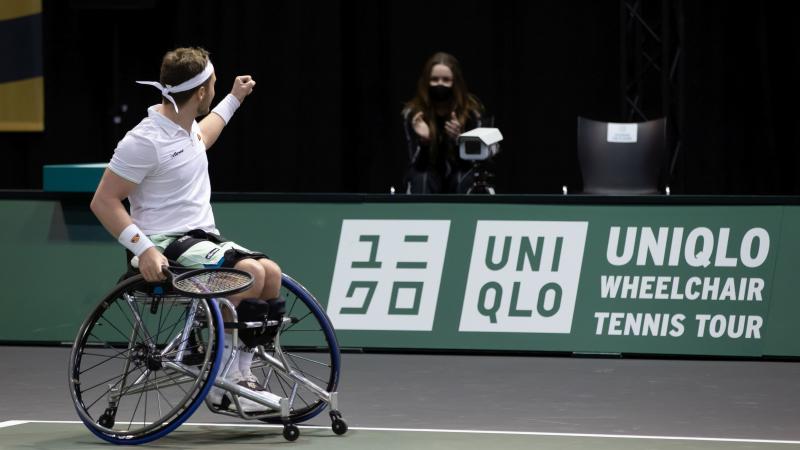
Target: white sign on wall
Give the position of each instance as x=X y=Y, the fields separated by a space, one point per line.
x=523 y=276
x=387 y=274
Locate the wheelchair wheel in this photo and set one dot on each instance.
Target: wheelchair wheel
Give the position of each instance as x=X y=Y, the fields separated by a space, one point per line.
x=143 y=361
x=310 y=347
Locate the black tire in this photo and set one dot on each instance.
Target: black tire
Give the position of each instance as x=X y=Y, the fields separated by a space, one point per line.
x=339 y=426
x=113 y=352
x=311 y=348
x=291 y=432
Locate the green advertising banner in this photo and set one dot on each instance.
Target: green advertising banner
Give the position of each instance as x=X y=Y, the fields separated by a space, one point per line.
x=652 y=279
x=587 y=279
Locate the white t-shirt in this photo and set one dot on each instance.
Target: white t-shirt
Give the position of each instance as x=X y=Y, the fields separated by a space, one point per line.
x=170 y=168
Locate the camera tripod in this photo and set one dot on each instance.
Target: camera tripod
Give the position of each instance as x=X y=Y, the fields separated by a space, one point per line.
x=481 y=177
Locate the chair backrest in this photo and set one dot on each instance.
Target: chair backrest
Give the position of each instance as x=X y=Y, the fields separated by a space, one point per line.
x=623 y=159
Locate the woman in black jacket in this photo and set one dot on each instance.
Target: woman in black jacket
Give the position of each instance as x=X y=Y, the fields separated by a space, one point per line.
x=442 y=109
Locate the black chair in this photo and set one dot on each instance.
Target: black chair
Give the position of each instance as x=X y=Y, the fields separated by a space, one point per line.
x=618 y=164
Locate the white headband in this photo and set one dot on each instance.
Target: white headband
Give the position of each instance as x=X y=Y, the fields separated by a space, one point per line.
x=191 y=83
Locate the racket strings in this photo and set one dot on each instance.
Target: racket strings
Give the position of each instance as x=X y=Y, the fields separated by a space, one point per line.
x=211 y=282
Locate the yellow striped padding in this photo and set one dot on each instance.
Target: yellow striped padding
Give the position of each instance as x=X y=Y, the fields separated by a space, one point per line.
x=13 y=9
x=22 y=105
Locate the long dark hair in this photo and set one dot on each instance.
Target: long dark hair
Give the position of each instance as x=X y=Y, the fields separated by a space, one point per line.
x=464 y=103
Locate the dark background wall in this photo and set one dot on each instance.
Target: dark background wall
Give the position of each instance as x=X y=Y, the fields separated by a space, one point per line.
x=333 y=75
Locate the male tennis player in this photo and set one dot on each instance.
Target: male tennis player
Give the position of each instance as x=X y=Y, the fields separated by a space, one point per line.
x=160 y=166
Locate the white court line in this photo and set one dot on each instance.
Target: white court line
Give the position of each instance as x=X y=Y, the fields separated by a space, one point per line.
x=433 y=430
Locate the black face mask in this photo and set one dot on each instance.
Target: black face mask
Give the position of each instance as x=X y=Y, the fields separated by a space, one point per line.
x=440 y=93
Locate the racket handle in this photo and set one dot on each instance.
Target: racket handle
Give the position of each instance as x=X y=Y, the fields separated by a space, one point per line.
x=164 y=269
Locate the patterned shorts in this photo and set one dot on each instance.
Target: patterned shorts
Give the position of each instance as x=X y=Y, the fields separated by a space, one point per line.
x=206 y=253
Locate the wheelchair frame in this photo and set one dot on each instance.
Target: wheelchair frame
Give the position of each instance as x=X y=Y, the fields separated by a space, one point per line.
x=149 y=358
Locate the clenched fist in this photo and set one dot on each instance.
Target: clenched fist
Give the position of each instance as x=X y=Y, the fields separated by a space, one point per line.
x=242 y=87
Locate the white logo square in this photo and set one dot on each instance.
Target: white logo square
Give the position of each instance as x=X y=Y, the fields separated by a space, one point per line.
x=523 y=276
x=387 y=274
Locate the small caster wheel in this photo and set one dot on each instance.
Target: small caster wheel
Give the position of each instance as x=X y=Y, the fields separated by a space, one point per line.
x=106 y=421
x=291 y=432
x=107 y=418
x=339 y=426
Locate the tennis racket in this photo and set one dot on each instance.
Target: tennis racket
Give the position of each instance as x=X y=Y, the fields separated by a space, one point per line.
x=205 y=283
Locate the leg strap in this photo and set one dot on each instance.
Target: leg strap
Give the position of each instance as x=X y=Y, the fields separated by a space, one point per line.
x=256 y=310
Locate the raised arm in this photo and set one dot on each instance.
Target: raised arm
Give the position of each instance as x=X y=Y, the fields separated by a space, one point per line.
x=211 y=126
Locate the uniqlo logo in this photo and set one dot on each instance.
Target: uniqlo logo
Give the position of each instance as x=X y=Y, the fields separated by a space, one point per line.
x=523 y=276
x=387 y=274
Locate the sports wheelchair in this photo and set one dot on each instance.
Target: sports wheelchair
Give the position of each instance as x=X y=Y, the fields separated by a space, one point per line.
x=147 y=356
